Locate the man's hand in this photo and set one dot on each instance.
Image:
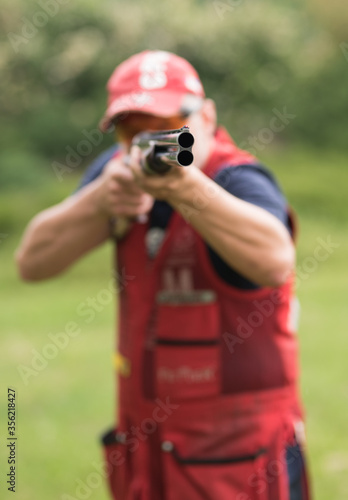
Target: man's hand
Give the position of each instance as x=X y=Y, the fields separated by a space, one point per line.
x=161 y=187
x=118 y=192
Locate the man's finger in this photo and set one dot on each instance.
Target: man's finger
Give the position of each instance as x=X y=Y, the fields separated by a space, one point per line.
x=135 y=162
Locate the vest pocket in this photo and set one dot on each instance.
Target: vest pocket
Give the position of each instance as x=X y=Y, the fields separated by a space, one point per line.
x=117 y=463
x=213 y=477
x=187 y=347
x=187 y=372
x=187 y=316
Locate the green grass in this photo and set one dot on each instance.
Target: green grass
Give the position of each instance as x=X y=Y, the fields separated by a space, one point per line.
x=63 y=410
x=315 y=185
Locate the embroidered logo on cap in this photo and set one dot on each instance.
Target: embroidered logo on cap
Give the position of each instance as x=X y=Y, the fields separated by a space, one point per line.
x=152 y=70
x=138 y=99
x=141 y=98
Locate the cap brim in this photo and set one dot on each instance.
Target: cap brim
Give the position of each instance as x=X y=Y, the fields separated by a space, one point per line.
x=160 y=103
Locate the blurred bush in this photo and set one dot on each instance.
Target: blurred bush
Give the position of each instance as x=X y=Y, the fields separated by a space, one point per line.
x=252 y=56
x=333 y=15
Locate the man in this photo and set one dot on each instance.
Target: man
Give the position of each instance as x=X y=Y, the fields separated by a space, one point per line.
x=207 y=356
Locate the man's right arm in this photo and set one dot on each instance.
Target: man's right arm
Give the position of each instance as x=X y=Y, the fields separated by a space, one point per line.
x=60 y=235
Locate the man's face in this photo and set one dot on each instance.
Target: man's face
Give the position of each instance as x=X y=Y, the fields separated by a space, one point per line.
x=202 y=125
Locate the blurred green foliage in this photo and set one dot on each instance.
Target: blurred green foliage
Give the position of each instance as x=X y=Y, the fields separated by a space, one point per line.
x=56 y=56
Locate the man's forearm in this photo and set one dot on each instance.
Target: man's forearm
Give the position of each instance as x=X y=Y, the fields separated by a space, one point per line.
x=58 y=236
x=250 y=239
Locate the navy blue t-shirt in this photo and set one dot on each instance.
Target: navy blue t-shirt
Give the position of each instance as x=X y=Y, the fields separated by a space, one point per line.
x=251 y=183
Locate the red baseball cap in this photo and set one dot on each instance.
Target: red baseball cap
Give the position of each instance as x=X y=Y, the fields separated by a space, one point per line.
x=156 y=82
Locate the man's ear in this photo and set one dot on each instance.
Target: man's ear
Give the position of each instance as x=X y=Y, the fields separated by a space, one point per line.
x=208 y=114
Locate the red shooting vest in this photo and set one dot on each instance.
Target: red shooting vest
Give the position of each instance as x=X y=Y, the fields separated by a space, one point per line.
x=207 y=372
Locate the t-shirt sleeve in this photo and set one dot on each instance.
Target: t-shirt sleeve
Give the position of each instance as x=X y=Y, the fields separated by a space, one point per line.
x=97 y=166
x=256 y=185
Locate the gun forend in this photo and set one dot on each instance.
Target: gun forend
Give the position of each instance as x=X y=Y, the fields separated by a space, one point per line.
x=164 y=149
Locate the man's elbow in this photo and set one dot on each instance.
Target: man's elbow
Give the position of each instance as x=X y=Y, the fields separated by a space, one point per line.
x=282 y=268
x=27 y=271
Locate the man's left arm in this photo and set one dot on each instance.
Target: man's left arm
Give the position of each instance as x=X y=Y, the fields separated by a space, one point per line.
x=247 y=237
